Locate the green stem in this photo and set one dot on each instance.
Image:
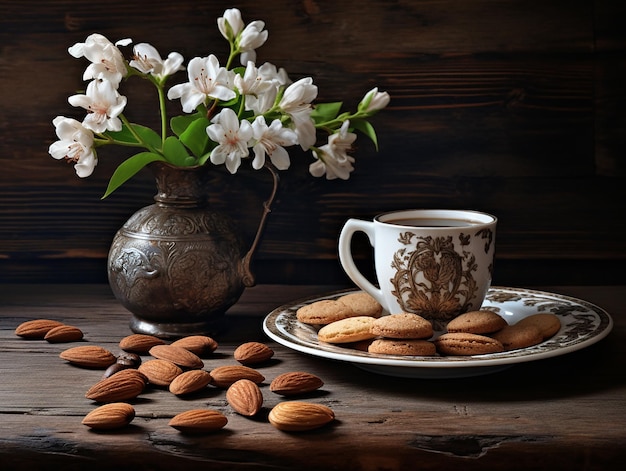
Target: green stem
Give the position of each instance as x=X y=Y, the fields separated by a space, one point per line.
x=163 y=113
x=140 y=141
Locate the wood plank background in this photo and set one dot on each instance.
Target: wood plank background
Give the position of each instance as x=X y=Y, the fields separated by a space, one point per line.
x=514 y=107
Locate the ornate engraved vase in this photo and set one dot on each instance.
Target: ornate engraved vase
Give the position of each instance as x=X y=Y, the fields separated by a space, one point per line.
x=176 y=265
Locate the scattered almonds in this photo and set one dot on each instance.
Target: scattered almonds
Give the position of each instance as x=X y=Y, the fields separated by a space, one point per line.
x=245 y=397
x=252 y=353
x=295 y=416
x=140 y=343
x=294 y=383
x=64 y=333
x=89 y=356
x=189 y=382
x=36 y=329
x=110 y=416
x=198 y=421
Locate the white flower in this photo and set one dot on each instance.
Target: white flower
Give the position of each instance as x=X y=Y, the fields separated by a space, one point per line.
x=252 y=37
x=255 y=87
x=374 y=100
x=278 y=76
x=269 y=140
x=206 y=80
x=231 y=24
x=147 y=60
x=333 y=159
x=296 y=102
x=232 y=137
x=75 y=144
x=106 y=59
x=103 y=103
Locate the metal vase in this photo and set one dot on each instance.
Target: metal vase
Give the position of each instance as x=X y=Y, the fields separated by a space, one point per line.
x=177 y=265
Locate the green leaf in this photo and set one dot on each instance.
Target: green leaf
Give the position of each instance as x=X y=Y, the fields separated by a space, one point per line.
x=129 y=168
x=366 y=128
x=195 y=136
x=175 y=152
x=326 y=111
x=180 y=123
x=147 y=135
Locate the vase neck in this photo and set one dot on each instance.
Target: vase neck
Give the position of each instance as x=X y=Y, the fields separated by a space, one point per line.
x=180 y=186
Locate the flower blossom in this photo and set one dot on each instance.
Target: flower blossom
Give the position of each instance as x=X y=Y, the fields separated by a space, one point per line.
x=103 y=103
x=232 y=137
x=374 y=101
x=255 y=89
x=332 y=158
x=252 y=37
x=106 y=59
x=147 y=60
x=269 y=140
x=231 y=24
x=296 y=102
x=206 y=80
x=75 y=144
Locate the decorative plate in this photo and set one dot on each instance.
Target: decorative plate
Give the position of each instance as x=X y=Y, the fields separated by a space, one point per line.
x=582 y=324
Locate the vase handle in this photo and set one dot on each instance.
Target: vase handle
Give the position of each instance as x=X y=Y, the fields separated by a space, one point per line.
x=247 y=276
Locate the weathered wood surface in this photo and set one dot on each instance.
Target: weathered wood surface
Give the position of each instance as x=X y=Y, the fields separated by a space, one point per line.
x=563 y=413
x=512 y=107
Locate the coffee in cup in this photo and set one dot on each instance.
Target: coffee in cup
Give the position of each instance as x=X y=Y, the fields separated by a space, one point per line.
x=437 y=263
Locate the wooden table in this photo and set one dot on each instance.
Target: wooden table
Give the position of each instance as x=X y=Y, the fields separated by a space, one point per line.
x=567 y=412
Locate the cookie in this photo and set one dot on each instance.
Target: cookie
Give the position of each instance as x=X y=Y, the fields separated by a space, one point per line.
x=477 y=322
x=402 y=347
x=402 y=326
x=351 y=329
x=518 y=336
x=463 y=343
x=547 y=323
x=362 y=304
x=324 y=312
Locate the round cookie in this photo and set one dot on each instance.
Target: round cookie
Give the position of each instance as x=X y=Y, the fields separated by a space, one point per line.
x=324 y=312
x=362 y=304
x=403 y=325
x=351 y=329
x=547 y=323
x=463 y=343
x=402 y=347
x=477 y=322
x=517 y=336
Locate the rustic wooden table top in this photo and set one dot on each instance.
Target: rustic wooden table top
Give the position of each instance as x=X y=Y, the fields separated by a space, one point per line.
x=567 y=412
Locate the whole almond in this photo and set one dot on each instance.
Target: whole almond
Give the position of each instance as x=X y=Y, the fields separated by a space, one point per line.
x=198 y=421
x=252 y=353
x=159 y=372
x=177 y=355
x=110 y=416
x=295 y=382
x=140 y=343
x=295 y=416
x=121 y=386
x=190 y=382
x=64 y=333
x=89 y=356
x=224 y=376
x=245 y=397
x=201 y=345
x=36 y=329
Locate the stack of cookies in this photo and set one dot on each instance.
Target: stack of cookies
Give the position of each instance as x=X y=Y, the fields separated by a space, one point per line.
x=355 y=320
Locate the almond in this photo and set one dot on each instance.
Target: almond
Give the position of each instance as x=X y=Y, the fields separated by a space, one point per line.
x=140 y=343
x=89 y=356
x=251 y=353
x=121 y=386
x=36 y=329
x=245 y=397
x=160 y=372
x=201 y=345
x=110 y=416
x=295 y=382
x=63 y=333
x=295 y=416
x=198 y=421
x=177 y=355
x=189 y=382
x=224 y=376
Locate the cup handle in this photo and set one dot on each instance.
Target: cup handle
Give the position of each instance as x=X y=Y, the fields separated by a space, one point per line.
x=347 y=261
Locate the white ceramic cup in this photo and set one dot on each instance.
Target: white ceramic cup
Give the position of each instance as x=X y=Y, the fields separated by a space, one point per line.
x=437 y=263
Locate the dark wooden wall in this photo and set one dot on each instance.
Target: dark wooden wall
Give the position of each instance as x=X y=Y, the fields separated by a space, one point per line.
x=514 y=107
